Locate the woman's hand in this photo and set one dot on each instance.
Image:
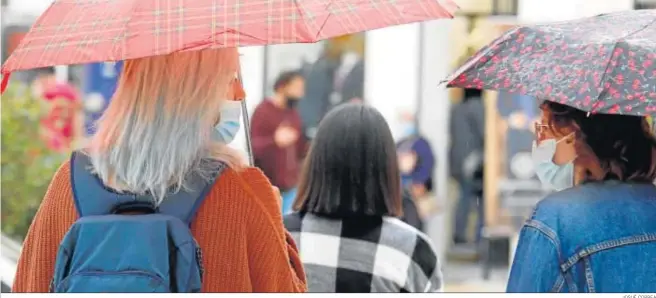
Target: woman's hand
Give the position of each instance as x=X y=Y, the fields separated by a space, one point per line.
x=407 y=162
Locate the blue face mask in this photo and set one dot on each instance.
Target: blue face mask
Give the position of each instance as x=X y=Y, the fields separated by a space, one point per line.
x=408 y=129
x=228 y=127
x=558 y=177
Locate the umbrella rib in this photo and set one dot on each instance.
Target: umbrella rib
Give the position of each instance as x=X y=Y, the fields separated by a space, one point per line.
x=325 y=21
x=303 y=17
x=608 y=66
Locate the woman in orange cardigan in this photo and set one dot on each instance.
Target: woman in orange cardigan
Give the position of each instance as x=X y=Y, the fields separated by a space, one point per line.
x=157 y=131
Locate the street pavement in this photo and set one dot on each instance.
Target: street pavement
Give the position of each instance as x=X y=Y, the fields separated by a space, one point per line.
x=467 y=277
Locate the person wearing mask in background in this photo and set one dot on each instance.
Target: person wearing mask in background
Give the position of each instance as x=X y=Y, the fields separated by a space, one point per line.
x=467 y=128
x=417 y=164
x=347 y=214
x=597 y=233
x=276 y=135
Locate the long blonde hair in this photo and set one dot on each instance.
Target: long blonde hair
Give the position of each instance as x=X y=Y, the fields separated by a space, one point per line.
x=156 y=131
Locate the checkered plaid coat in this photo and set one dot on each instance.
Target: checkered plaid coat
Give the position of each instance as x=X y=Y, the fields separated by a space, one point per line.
x=364 y=255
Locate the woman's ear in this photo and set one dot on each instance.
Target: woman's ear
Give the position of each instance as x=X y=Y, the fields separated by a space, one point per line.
x=572 y=135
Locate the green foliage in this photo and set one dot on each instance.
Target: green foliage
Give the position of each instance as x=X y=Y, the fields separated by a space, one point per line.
x=27 y=164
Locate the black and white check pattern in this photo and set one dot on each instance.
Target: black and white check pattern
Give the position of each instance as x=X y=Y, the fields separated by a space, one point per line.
x=364 y=255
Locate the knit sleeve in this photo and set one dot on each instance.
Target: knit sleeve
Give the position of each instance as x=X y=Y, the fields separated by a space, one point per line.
x=51 y=222
x=274 y=262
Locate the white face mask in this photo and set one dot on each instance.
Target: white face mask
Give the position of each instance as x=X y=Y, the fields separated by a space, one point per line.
x=228 y=127
x=558 y=177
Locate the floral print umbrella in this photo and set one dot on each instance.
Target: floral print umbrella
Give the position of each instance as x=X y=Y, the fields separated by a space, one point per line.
x=602 y=64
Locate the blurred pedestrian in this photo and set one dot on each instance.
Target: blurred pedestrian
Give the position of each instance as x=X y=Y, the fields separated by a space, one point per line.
x=61 y=126
x=336 y=77
x=417 y=164
x=347 y=212
x=278 y=142
x=597 y=232
x=41 y=80
x=411 y=214
x=154 y=153
x=467 y=130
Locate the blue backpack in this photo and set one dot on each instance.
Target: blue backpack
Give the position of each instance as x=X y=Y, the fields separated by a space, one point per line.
x=123 y=243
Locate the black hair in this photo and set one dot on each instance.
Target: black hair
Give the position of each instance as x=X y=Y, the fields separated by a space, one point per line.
x=470 y=93
x=285 y=78
x=352 y=168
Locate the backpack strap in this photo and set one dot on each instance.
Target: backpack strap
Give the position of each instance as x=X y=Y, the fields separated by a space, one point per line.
x=93 y=198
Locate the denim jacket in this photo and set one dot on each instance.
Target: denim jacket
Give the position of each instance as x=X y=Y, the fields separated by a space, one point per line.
x=597 y=237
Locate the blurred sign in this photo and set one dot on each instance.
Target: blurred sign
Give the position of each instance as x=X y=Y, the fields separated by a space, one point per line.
x=99 y=86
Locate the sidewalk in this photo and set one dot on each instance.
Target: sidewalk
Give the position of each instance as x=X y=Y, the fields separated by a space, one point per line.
x=463 y=277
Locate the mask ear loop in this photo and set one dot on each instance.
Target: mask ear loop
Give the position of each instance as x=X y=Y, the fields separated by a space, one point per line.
x=564 y=138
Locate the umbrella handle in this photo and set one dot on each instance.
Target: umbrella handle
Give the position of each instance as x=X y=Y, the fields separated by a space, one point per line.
x=247 y=132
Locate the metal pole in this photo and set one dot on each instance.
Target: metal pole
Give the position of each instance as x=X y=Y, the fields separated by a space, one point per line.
x=247 y=126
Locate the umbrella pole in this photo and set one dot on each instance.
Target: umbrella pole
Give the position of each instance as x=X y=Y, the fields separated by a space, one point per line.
x=247 y=132
x=247 y=124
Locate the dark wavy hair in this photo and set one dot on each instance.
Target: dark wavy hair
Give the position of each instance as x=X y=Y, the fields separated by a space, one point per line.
x=609 y=147
x=351 y=169
x=285 y=78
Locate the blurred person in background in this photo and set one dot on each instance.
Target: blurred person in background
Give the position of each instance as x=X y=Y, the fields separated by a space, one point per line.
x=411 y=214
x=417 y=164
x=278 y=141
x=155 y=140
x=336 y=77
x=467 y=129
x=42 y=79
x=346 y=219
x=61 y=126
x=597 y=232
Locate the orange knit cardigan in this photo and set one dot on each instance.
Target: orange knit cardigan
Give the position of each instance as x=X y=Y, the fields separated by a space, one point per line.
x=239 y=229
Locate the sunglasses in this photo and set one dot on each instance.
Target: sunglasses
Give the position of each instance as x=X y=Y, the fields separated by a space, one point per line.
x=539 y=127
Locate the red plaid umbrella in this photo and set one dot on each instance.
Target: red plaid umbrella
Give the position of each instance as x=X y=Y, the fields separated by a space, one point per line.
x=83 y=31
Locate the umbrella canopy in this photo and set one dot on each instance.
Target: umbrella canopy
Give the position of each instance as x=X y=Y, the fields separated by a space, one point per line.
x=82 y=31
x=602 y=64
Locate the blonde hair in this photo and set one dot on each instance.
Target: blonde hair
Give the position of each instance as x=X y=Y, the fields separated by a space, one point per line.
x=156 y=132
